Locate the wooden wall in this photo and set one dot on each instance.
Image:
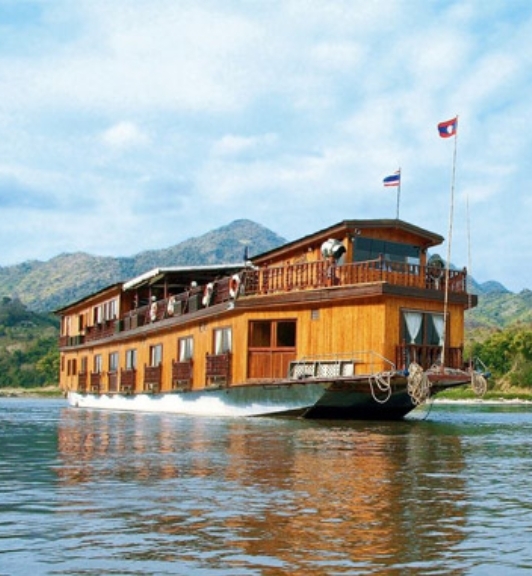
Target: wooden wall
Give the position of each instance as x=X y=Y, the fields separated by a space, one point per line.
x=371 y=324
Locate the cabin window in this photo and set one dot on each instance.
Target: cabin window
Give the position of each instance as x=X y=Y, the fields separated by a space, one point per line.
x=156 y=355
x=97 y=314
x=185 y=349
x=113 y=362
x=371 y=249
x=98 y=363
x=71 y=367
x=286 y=334
x=131 y=359
x=260 y=334
x=81 y=323
x=272 y=334
x=222 y=340
x=83 y=365
x=422 y=328
x=272 y=346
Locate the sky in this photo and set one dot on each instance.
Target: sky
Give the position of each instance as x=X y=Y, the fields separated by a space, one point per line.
x=129 y=125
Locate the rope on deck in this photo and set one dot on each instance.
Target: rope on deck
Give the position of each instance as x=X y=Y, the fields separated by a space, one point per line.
x=418 y=386
x=381 y=381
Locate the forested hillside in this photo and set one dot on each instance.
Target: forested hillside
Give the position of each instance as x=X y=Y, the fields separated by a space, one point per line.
x=46 y=286
x=28 y=346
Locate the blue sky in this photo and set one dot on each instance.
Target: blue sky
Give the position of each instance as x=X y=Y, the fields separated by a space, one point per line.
x=129 y=125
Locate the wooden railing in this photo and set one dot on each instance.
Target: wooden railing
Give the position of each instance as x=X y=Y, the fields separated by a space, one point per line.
x=182 y=375
x=95 y=382
x=128 y=380
x=112 y=380
x=152 y=378
x=218 y=369
x=427 y=356
x=82 y=381
x=322 y=274
x=279 y=279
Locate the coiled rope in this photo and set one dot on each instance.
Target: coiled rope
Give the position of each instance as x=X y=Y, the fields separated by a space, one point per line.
x=381 y=381
x=418 y=385
x=479 y=384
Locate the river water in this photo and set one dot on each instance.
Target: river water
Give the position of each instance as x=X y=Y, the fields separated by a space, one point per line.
x=90 y=492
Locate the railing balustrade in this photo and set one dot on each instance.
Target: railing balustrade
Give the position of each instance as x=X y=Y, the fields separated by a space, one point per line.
x=428 y=355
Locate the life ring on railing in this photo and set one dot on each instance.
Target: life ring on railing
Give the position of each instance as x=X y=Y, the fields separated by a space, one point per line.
x=234 y=286
x=436 y=266
x=207 y=294
x=153 y=311
x=170 y=307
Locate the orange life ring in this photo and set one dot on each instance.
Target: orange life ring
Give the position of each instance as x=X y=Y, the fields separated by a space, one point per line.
x=170 y=307
x=234 y=286
x=153 y=311
x=207 y=294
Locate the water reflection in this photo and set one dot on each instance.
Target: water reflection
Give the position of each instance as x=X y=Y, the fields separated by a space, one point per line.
x=268 y=495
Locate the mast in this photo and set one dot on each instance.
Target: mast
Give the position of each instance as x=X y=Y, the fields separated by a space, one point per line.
x=451 y=131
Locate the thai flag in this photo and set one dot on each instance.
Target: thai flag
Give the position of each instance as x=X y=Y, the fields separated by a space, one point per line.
x=448 y=128
x=393 y=180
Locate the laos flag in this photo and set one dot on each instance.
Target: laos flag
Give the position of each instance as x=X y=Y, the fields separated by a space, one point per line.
x=448 y=128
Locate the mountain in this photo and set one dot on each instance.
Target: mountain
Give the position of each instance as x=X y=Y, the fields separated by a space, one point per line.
x=499 y=309
x=45 y=286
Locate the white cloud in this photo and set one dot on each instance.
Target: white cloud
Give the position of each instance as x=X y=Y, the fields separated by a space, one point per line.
x=124 y=135
x=171 y=118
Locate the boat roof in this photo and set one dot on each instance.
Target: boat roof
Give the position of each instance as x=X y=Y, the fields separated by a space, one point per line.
x=182 y=275
x=427 y=238
x=94 y=295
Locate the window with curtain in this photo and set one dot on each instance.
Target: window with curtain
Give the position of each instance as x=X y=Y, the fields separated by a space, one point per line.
x=131 y=359
x=423 y=328
x=222 y=340
x=185 y=348
x=156 y=355
x=113 y=361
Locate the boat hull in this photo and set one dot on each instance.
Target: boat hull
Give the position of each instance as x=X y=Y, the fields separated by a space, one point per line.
x=346 y=399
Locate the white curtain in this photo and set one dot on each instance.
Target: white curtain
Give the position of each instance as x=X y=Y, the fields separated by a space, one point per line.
x=229 y=343
x=437 y=319
x=218 y=342
x=185 y=349
x=413 y=324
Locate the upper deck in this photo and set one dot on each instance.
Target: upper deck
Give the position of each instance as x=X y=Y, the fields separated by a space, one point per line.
x=146 y=301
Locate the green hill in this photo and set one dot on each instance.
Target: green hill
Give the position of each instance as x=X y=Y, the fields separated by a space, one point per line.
x=45 y=286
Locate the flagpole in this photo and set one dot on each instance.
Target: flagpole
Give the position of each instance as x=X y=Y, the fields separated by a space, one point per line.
x=449 y=242
x=398 y=194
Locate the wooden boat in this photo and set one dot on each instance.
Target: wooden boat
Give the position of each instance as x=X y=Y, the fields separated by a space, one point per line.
x=349 y=322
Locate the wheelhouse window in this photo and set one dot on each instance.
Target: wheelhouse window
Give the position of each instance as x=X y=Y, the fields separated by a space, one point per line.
x=131 y=359
x=372 y=248
x=185 y=349
x=156 y=355
x=222 y=340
